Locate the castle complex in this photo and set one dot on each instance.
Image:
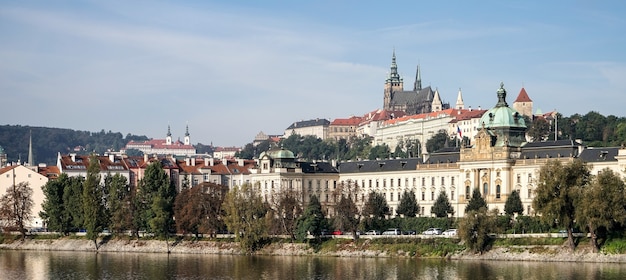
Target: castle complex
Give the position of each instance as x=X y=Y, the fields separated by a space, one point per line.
x=498 y=159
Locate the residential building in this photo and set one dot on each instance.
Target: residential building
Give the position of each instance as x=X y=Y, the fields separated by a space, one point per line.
x=316 y=127
x=16 y=174
x=344 y=128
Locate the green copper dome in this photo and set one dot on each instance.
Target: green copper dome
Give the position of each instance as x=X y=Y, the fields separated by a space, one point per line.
x=281 y=154
x=505 y=125
x=502 y=115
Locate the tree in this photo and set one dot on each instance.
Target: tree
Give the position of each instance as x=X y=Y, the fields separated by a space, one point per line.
x=215 y=195
x=153 y=202
x=408 y=206
x=287 y=207
x=557 y=191
x=475 y=228
x=376 y=206
x=513 y=204
x=246 y=216
x=73 y=201
x=442 y=206
x=601 y=205
x=310 y=221
x=346 y=215
x=16 y=206
x=93 y=202
x=476 y=202
x=437 y=142
x=118 y=202
x=539 y=130
x=54 y=209
x=379 y=152
x=189 y=210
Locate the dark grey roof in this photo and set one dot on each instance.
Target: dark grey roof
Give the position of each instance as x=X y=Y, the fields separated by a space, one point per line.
x=550 y=149
x=317 y=167
x=599 y=154
x=445 y=155
x=315 y=122
x=379 y=165
x=412 y=97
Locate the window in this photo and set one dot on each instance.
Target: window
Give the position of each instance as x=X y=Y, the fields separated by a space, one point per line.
x=422 y=212
x=432 y=195
x=466 y=175
x=423 y=196
x=391 y=197
x=423 y=182
x=370 y=184
x=530 y=192
x=497 y=191
x=452 y=194
x=530 y=178
x=452 y=181
x=519 y=178
x=399 y=181
x=391 y=183
x=498 y=173
x=467 y=192
x=414 y=182
x=432 y=181
x=485 y=190
x=443 y=181
x=205 y=177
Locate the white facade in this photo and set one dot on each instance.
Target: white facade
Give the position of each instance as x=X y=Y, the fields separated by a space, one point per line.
x=14 y=175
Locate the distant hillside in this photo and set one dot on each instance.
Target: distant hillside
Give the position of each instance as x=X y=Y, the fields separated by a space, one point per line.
x=47 y=142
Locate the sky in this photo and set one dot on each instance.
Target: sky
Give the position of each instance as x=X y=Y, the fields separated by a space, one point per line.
x=231 y=69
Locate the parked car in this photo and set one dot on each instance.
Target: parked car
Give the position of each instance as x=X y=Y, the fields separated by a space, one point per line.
x=409 y=232
x=432 y=231
x=337 y=232
x=392 y=231
x=372 y=232
x=449 y=232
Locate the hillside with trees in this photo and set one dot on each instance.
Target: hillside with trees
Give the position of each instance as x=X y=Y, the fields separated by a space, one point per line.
x=47 y=142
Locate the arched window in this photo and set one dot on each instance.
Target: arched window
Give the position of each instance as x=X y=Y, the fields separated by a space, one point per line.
x=498 y=191
x=467 y=192
x=485 y=189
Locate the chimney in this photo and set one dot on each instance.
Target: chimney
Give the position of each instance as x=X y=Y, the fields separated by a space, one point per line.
x=111 y=158
x=73 y=156
x=145 y=157
x=187 y=161
x=193 y=161
x=240 y=162
x=211 y=162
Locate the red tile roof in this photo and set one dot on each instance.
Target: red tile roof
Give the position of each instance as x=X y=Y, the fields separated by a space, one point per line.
x=523 y=96
x=349 y=121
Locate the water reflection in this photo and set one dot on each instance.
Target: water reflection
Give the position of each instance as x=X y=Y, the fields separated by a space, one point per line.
x=84 y=265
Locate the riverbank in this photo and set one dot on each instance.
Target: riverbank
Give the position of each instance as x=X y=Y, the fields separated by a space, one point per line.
x=331 y=248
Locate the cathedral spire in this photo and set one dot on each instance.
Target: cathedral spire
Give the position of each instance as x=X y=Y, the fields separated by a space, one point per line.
x=418 y=79
x=459 y=101
x=168 y=139
x=393 y=74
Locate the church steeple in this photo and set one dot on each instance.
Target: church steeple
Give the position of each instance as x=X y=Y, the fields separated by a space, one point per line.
x=437 y=104
x=187 y=142
x=168 y=139
x=459 y=101
x=31 y=160
x=418 y=80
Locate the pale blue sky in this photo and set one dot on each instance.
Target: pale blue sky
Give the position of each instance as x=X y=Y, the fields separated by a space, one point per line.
x=233 y=68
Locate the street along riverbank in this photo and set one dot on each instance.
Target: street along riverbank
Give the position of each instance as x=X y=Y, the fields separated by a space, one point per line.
x=388 y=247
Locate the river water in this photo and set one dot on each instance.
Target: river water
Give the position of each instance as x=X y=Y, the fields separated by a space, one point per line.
x=86 y=265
